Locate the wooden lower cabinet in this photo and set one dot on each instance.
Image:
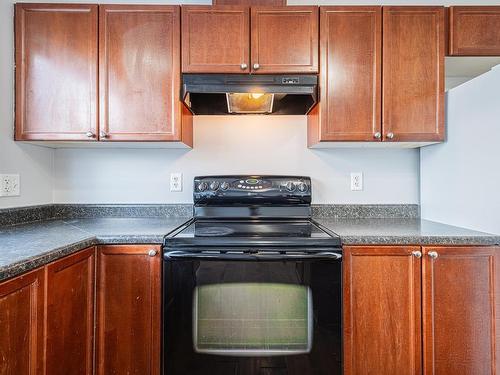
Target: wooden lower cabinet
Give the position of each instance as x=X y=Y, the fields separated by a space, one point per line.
x=387 y=287
x=21 y=324
x=69 y=319
x=128 y=310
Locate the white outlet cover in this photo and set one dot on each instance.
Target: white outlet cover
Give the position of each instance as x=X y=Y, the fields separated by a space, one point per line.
x=176 y=182
x=9 y=185
x=356 y=181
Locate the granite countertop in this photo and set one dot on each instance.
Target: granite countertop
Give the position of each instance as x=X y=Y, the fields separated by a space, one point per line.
x=24 y=247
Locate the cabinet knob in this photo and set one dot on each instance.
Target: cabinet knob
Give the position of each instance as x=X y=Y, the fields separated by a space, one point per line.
x=256 y=66
x=90 y=135
x=152 y=252
x=390 y=135
x=103 y=134
x=377 y=135
x=243 y=66
x=433 y=254
x=417 y=254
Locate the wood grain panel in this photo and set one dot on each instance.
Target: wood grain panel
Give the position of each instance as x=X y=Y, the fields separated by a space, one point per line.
x=459 y=310
x=215 y=39
x=249 y=3
x=475 y=31
x=413 y=73
x=382 y=319
x=139 y=73
x=284 y=39
x=128 y=310
x=69 y=323
x=56 y=71
x=21 y=325
x=350 y=75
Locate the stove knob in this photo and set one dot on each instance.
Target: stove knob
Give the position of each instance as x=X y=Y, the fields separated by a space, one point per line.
x=214 y=185
x=224 y=185
x=302 y=187
x=202 y=186
x=290 y=186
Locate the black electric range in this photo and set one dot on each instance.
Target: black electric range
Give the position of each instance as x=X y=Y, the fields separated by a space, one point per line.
x=252 y=284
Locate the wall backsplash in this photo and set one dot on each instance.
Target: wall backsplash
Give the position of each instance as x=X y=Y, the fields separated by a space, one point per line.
x=235 y=145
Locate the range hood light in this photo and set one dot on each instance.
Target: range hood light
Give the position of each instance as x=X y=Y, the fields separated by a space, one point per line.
x=249 y=103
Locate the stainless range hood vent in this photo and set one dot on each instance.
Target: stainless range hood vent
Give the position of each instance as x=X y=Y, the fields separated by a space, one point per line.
x=229 y=94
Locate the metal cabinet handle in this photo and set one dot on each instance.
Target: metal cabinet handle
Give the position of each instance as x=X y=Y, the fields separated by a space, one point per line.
x=243 y=66
x=433 y=254
x=256 y=66
x=103 y=134
x=90 y=135
x=417 y=254
x=390 y=135
x=377 y=135
x=152 y=252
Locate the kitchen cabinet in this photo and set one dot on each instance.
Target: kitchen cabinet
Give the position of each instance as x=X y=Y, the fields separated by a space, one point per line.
x=413 y=73
x=350 y=76
x=128 y=309
x=404 y=306
x=474 y=31
x=239 y=39
x=21 y=324
x=56 y=72
x=70 y=314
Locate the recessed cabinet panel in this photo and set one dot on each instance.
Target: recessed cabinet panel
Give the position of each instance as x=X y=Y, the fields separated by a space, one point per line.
x=413 y=73
x=284 y=39
x=56 y=72
x=139 y=65
x=215 y=39
x=475 y=31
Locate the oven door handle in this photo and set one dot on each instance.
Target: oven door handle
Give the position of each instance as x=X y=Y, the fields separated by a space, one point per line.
x=179 y=254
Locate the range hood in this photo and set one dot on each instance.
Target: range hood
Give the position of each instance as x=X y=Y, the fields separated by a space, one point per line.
x=228 y=94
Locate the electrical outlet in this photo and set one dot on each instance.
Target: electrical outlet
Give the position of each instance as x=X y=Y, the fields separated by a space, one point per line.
x=176 y=182
x=356 y=181
x=9 y=185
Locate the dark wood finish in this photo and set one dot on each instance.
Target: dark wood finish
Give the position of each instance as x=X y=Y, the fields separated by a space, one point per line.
x=215 y=39
x=56 y=71
x=249 y=3
x=128 y=310
x=284 y=39
x=475 y=31
x=459 y=310
x=382 y=318
x=70 y=314
x=413 y=73
x=350 y=75
x=21 y=325
x=139 y=73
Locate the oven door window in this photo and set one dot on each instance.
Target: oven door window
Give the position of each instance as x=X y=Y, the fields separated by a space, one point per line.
x=252 y=319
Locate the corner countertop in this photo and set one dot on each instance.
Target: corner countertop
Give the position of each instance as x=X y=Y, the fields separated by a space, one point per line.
x=27 y=246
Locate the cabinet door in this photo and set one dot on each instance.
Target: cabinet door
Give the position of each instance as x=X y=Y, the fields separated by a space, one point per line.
x=350 y=75
x=128 y=310
x=56 y=71
x=284 y=39
x=139 y=73
x=413 y=74
x=382 y=320
x=21 y=325
x=475 y=31
x=215 y=39
x=70 y=314
x=459 y=289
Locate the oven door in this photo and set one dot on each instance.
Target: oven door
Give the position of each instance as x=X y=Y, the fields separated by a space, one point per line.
x=263 y=313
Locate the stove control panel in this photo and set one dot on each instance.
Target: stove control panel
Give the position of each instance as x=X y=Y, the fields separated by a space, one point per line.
x=252 y=189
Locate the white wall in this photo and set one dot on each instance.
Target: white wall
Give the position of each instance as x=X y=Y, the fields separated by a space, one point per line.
x=33 y=164
x=460 y=179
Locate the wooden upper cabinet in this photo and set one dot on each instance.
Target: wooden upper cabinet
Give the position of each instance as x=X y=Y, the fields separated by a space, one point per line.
x=250 y=2
x=21 y=325
x=284 y=39
x=56 y=71
x=413 y=73
x=215 y=39
x=382 y=302
x=128 y=310
x=459 y=317
x=70 y=314
x=475 y=31
x=139 y=73
x=350 y=76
